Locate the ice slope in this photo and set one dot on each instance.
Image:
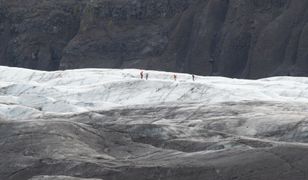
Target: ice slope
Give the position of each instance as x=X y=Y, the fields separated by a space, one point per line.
x=28 y=93
x=110 y=124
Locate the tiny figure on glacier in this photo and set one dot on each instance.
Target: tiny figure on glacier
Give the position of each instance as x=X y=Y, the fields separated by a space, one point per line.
x=141 y=74
x=174 y=77
x=146 y=76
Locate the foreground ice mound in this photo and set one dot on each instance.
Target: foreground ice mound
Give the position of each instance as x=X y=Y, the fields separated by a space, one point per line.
x=28 y=93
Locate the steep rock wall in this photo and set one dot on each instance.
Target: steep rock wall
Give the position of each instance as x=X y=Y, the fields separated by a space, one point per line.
x=234 y=38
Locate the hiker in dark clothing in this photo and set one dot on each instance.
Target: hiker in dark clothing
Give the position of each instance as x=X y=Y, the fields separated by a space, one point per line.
x=174 y=77
x=147 y=76
x=141 y=74
x=193 y=77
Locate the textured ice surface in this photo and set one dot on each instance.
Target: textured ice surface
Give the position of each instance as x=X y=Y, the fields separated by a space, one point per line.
x=28 y=94
x=110 y=124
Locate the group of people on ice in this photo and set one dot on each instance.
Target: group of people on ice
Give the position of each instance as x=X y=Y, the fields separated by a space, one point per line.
x=174 y=76
x=146 y=75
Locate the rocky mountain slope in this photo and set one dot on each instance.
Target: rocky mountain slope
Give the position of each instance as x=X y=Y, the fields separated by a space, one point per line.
x=234 y=38
x=94 y=124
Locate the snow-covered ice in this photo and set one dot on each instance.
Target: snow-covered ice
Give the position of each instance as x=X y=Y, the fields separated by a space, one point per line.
x=110 y=124
x=29 y=93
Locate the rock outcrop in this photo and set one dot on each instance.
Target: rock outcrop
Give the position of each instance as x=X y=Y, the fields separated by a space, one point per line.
x=234 y=38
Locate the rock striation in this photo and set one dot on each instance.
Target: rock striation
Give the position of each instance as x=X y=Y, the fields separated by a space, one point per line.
x=234 y=38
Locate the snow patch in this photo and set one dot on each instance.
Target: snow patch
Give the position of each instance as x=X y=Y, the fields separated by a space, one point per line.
x=28 y=93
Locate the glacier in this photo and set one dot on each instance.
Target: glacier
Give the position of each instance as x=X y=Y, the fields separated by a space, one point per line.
x=110 y=124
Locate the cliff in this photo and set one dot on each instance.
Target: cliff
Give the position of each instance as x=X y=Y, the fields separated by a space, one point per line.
x=234 y=38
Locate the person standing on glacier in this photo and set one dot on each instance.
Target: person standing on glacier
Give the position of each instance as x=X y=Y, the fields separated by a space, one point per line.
x=193 y=77
x=146 y=76
x=174 y=77
x=141 y=74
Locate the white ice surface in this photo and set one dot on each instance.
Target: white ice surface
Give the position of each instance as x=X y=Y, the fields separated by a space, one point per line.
x=28 y=94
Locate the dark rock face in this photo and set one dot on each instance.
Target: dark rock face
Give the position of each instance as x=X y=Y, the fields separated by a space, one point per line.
x=59 y=178
x=235 y=38
x=33 y=34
